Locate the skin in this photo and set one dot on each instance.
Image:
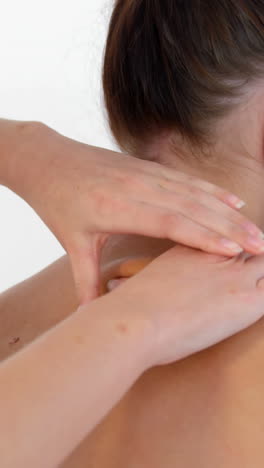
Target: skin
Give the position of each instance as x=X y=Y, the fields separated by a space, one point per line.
x=208 y=409
x=169 y=440
x=84 y=194
x=207 y=381
x=158 y=422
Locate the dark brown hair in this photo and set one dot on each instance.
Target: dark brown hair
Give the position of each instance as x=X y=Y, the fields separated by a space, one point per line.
x=179 y=65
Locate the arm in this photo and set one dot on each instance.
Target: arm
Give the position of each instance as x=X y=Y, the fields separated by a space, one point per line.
x=14 y=147
x=59 y=388
x=62 y=385
x=32 y=307
x=76 y=190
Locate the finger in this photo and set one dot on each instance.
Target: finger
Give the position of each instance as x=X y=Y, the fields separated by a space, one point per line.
x=220 y=193
x=200 y=232
x=86 y=276
x=169 y=174
x=85 y=254
x=195 y=204
x=198 y=195
x=177 y=195
x=213 y=215
x=144 y=219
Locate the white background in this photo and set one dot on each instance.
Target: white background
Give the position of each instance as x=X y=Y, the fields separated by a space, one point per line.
x=51 y=55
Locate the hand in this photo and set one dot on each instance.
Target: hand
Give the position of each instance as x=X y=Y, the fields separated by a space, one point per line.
x=84 y=194
x=205 y=299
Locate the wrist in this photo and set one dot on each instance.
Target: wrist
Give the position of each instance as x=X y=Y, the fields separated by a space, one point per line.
x=18 y=142
x=133 y=325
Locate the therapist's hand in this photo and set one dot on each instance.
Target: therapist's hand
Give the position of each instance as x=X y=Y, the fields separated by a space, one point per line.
x=85 y=193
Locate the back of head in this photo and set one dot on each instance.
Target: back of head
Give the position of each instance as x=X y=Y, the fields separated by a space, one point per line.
x=179 y=65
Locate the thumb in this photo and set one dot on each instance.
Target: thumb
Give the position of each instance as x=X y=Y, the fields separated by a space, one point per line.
x=85 y=266
x=86 y=277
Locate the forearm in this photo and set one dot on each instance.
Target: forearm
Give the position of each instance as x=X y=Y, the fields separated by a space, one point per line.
x=50 y=293
x=58 y=389
x=15 y=137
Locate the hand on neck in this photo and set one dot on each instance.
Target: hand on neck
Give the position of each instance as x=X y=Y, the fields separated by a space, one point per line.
x=235 y=161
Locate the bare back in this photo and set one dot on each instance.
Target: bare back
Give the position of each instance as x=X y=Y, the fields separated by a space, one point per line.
x=205 y=411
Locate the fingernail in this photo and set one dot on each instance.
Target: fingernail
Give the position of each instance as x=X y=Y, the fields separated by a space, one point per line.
x=233 y=246
x=237 y=202
x=240 y=204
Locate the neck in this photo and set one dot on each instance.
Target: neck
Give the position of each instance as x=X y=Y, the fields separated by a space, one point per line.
x=243 y=177
x=234 y=161
x=239 y=171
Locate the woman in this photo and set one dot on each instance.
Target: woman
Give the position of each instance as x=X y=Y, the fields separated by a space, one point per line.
x=171 y=98
x=184 y=81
